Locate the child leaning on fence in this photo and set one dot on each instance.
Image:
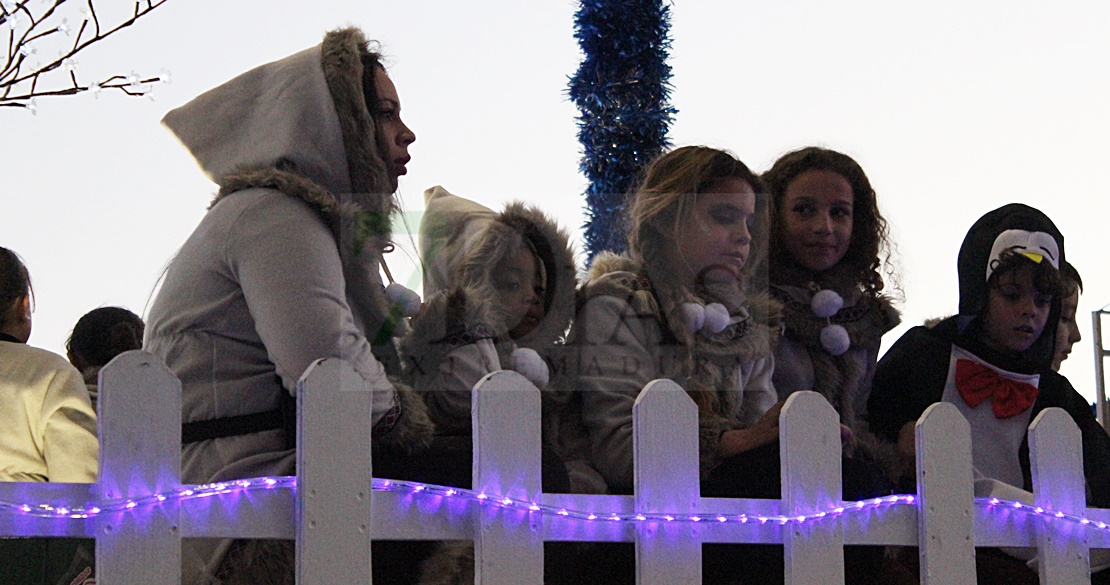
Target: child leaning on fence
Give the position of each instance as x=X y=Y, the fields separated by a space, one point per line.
x=992 y=361
x=679 y=306
x=499 y=293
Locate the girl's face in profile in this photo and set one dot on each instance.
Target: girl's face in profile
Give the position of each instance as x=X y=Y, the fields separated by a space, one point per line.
x=394 y=137
x=714 y=242
x=1016 y=311
x=520 y=291
x=815 y=223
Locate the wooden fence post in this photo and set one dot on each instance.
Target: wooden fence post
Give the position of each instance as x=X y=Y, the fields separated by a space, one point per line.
x=666 y=479
x=945 y=496
x=1056 y=461
x=333 y=475
x=506 y=424
x=810 y=451
x=140 y=455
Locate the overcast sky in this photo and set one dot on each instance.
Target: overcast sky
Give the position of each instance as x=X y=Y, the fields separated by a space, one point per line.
x=952 y=108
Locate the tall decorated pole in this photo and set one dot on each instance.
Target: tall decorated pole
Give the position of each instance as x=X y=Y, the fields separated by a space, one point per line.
x=622 y=91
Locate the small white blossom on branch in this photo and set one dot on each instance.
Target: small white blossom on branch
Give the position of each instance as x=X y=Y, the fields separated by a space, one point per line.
x=29 y=24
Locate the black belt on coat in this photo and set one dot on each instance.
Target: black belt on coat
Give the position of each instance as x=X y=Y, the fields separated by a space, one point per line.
x=284 y=417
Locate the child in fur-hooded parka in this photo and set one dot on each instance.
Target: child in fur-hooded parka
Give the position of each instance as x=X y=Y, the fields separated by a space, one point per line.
x=283 y=269
x=500 y=294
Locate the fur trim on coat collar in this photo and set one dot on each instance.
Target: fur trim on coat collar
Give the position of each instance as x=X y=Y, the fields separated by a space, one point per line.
x=866 y=320
x=618 y=275
x=712 y=363
x=462 y=243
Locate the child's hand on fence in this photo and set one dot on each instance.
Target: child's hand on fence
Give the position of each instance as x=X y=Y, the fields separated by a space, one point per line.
x=765 y=430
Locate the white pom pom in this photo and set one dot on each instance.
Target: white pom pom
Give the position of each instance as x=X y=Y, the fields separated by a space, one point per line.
x=402 y=297
x=693 y=316
x=835 y=340
x=529 y=364
x=826 y=303
x=716 y=318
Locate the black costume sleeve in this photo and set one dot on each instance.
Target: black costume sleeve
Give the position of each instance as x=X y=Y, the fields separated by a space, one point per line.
x=909 y=377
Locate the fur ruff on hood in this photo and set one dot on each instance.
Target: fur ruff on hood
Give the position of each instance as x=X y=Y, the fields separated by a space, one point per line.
x=462 y=243
x=711 y=363
x=313 y=141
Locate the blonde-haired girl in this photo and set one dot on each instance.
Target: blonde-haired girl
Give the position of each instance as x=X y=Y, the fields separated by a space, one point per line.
x=678 y=306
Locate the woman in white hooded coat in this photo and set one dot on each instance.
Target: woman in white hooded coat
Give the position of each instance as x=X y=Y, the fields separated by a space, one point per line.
x=283 y=270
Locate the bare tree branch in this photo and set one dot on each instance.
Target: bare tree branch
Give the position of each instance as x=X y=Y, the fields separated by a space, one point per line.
x=33 y=22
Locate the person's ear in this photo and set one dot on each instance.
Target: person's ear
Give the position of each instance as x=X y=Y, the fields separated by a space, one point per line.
x=76 y=359
x=23 y=318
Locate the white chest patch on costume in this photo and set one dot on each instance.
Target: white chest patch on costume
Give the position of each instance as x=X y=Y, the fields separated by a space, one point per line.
x=994 y=442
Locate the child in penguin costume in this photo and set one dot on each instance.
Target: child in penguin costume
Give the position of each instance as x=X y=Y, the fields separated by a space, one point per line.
x=993 y=362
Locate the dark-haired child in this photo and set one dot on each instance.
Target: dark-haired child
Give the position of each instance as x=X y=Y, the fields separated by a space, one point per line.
x=829 y=244
x=993 y=362
x=100 y=335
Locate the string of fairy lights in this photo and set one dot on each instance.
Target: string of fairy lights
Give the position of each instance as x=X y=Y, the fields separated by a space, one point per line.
x=489 y=500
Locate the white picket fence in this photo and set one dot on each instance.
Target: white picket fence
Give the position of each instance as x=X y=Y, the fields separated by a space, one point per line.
x=139 y=511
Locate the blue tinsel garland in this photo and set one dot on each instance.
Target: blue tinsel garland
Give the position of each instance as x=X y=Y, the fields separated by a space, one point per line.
x=622 y=91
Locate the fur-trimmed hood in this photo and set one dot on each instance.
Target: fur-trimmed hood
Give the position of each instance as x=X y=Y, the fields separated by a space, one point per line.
x=305 y=112
x=301 y=125
x=461 y=242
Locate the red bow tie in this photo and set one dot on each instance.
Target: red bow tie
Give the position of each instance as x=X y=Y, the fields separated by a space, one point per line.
x=977 y=382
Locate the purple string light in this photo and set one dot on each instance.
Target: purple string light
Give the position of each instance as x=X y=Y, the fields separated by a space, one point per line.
x=45 y=510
